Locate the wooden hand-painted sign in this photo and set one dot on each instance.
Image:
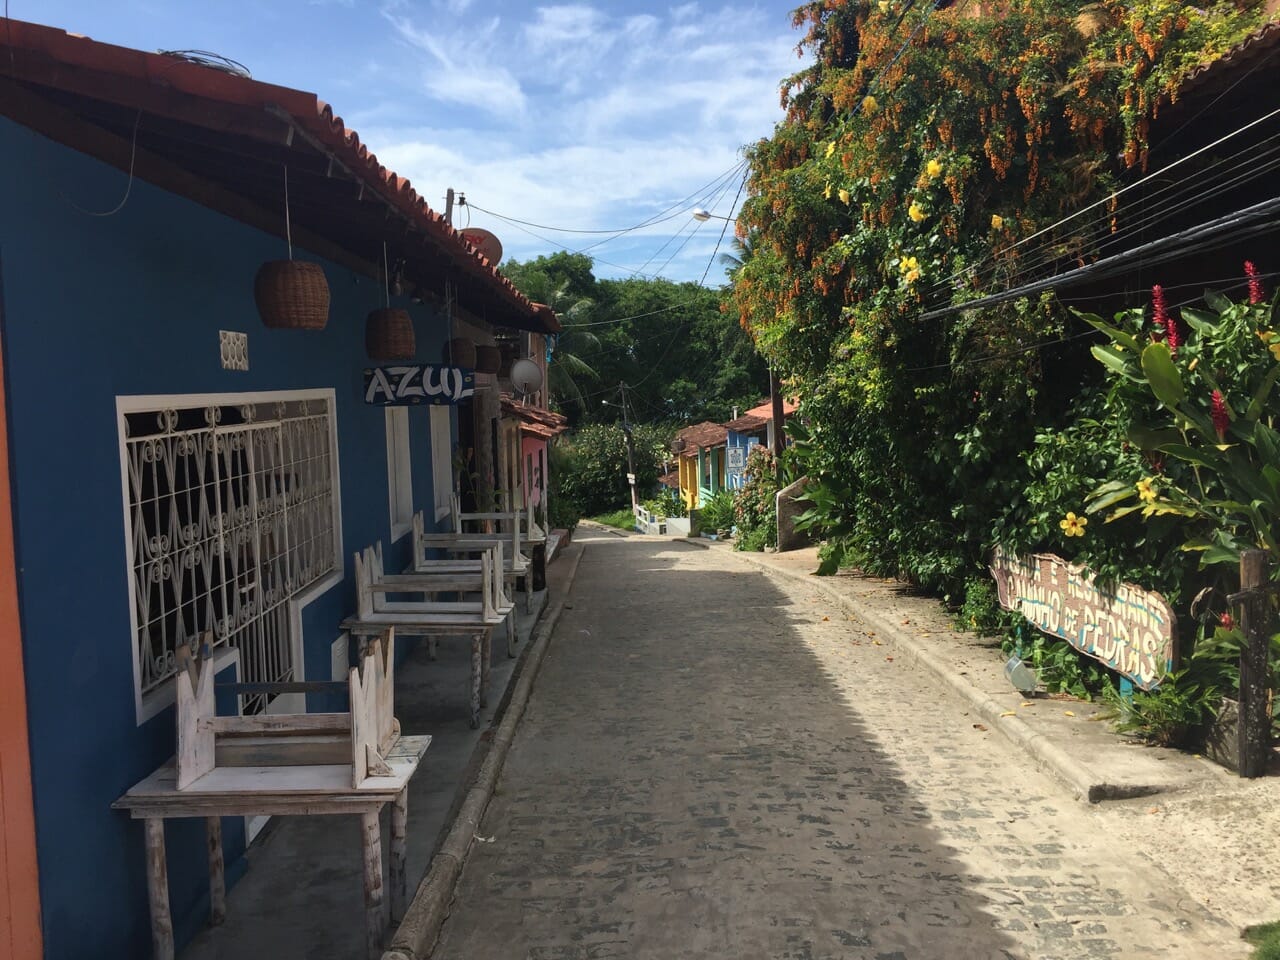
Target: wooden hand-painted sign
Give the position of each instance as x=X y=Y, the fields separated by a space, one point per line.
x=417 y=383
x=1129 y=629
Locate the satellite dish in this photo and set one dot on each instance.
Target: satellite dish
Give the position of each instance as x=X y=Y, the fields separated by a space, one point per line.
x=484 y=242
x=526 y=376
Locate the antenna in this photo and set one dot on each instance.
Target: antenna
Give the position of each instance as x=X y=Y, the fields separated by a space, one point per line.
x=526 y=377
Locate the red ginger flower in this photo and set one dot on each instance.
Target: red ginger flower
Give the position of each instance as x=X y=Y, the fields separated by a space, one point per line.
x=1256 y=293
x=1159 y=313
x=1221 y=419
x=1227 y=621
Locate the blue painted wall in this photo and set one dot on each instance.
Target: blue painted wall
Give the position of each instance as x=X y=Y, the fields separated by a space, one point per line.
x=734 y=479
x=131 y=303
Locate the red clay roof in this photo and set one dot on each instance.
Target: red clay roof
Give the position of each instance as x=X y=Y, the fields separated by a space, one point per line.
x=1248 y=53
x=255 y=121
x=747 y=423
x=535 y=420
x=765 y=410
x=701 y=436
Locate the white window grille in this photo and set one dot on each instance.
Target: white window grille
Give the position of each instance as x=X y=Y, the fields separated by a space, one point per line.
x=441 y=459
x=399 y=472
x=232 y=510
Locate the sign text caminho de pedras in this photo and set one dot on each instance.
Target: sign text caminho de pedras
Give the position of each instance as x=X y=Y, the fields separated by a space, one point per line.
x=1129 y=629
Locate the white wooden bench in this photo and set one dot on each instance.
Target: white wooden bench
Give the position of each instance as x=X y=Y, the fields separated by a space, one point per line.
x=473 y=619
x=488 y=589
x=352 y=763
x=514 y=567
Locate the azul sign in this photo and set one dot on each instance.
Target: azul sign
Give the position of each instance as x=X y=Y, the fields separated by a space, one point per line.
x=417 y=383
x=1129 y=629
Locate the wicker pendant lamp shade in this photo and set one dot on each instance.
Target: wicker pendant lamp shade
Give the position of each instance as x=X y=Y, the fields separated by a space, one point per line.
x=292 y=295
x=388 y=335
x=488 y=359
x=460 y=352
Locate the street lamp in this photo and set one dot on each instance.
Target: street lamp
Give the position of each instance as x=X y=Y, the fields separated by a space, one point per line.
x=702 y=216
x=631 y=449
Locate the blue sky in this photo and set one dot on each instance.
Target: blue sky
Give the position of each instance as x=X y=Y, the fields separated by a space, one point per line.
x=595 y=116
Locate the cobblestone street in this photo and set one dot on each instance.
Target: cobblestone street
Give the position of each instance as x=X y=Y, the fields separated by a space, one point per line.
x=715 y=763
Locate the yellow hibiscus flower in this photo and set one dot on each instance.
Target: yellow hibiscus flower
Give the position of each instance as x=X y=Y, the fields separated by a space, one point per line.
x=1147 y=490
x=916 y=212
x=831 y=148
x=869 y=104
x=933 y=168
x=997 y=222
x=844 y=195
x=1073 y=526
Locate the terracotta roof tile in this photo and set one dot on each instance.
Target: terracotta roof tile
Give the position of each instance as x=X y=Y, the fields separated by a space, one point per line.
x=701 y=436
x=228 y=104
x=748 y=423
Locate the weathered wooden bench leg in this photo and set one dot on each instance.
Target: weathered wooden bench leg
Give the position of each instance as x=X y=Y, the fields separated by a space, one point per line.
x=399 y=849
x=375 y=920
x=476 y=645
x=486 y=658
x=433 y=648
x=528 y=591
x=158 y=890
x=217 y=871
x=511 y=633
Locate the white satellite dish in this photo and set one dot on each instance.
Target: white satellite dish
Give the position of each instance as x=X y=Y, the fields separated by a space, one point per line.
x=526 y=376
x=484 y=243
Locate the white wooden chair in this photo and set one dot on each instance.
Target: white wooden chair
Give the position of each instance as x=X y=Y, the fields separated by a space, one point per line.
x=514 y=567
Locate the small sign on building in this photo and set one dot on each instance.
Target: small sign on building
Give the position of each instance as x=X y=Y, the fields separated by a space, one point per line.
x=418 y=383
x=1127 y=628
x=735 y=459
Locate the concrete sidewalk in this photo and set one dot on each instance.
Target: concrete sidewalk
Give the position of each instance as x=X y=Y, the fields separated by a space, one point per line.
x=300 y=898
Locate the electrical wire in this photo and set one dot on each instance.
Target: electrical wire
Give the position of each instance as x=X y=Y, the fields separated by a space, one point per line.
x=133 y=155
x=1180 y=191
x=1233 y=283
x=972 y=268
x=1239 y=224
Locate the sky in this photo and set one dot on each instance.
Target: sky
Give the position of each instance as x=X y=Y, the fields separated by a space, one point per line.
x=581 y=116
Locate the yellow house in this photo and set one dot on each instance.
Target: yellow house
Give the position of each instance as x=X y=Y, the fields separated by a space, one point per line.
x=700 y=450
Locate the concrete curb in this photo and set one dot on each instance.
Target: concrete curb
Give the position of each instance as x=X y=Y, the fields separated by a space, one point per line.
x=1083 y=782
x=416 y=936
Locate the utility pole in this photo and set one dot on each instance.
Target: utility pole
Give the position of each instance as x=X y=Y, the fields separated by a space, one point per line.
x=775 y=399
x=448 y=206
x=631 y=447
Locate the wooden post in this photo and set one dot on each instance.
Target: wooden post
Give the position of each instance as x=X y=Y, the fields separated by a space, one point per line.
x=477 y=643
x=776 y=415
x=375 y=922
x=399 y=849
x=1255 y=726
x=217 y=871
x=158 y=890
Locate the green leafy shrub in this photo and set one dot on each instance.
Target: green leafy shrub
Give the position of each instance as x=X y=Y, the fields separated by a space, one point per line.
x=755 y=505
x=716 y=513
x=668 y=503
x=592 y=464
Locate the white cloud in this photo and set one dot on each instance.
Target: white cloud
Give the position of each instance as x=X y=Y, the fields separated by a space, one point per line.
x=590 y=119
x=461 y=69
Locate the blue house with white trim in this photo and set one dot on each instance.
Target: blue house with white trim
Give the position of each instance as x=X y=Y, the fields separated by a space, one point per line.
x=178 y=469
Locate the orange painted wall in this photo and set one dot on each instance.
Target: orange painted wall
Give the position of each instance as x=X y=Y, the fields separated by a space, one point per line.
x=20 y=937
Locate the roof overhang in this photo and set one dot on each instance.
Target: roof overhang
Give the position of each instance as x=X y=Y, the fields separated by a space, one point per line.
x=226 y=142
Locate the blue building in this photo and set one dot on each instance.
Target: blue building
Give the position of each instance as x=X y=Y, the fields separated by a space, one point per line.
x=754 y=428
x=178 y=469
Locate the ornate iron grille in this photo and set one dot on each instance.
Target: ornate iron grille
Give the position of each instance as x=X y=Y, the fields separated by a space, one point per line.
x=231 y=512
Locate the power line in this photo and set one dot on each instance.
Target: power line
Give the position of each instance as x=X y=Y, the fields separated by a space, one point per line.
x=1105 y=200
x=1240 y=224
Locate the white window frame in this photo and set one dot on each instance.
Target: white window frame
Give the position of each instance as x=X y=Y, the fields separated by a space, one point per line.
x=399 y=472
x=441 y=458
x=162 y=696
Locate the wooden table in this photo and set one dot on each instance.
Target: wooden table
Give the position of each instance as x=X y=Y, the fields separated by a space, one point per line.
x=283 y=791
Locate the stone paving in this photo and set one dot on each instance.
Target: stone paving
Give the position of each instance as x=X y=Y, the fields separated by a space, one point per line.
x=715 y=763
